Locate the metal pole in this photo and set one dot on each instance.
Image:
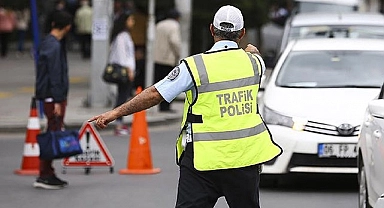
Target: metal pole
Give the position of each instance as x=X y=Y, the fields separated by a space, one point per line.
x=149 y=46
x=102 y=17
x=35 y=29
x=36 y=43
x=185 y=8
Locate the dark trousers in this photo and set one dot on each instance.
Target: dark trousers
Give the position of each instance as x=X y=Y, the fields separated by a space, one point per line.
x=140 y=66
x=54 y=123
x=21 y=39
x=140 y=74
x=162 y=71
x=202 y=189
x=4 y=39
x=124 y=91
x=85 y=45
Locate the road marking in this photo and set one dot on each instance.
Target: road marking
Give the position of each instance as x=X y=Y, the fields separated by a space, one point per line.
x=27 y=89
x=5 y=94
x=76 y=80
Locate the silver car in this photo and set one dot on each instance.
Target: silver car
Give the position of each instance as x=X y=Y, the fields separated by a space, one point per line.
x=333 y=25
x=371 y=154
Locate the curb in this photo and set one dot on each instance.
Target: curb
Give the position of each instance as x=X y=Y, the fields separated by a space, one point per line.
x=77 y=125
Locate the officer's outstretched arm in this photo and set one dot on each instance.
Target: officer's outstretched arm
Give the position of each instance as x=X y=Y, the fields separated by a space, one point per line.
x=146 y=99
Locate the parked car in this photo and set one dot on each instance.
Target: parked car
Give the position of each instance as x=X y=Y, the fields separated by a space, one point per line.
x=302 y=6
x=272 y=47
x=333 y=25
x=314 y=102
x=380 y=202
x=371 y=154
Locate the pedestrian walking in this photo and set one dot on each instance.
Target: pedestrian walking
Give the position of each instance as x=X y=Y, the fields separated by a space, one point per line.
x=223 y=140
x=83 y=22
x=167 y=49
x=122 y=53
x=52 y=85
x=7 y=25
x=22 y=17
x=139 y=37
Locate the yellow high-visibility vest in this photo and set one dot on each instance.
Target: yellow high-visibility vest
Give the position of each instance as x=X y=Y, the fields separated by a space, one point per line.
x=227 y=129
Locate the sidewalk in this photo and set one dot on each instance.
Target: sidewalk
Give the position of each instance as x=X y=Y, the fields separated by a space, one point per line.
x=17 y=78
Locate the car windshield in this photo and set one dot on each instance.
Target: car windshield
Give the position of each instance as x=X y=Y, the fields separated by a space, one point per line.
x=355 y=31
x=314 y=7
x=332 y=69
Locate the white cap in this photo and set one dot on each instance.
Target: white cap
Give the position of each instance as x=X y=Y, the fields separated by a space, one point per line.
x=228 y=14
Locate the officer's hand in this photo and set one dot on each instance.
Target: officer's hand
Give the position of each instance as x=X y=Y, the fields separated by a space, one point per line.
x=252 y=49
x=104 y=119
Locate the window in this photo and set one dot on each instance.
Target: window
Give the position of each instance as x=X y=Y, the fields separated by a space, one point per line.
x=326 y=69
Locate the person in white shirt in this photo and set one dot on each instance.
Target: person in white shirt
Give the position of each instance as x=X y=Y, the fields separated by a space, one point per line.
x=83 y=22
x=122 y=52
x=22 y=17
x=167 y=49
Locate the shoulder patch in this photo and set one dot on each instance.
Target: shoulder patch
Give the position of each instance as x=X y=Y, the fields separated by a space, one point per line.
x=174 y=73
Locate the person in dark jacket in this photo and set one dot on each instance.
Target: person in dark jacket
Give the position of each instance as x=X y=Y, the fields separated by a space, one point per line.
x=52 y=87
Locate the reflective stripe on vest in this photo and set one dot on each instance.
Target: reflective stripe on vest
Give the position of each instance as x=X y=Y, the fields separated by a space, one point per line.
x=211 y=136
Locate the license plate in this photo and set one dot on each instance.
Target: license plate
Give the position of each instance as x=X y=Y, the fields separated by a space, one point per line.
x=337 y=150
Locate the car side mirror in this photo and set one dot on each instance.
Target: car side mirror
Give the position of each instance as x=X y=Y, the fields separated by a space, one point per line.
x=376 y=107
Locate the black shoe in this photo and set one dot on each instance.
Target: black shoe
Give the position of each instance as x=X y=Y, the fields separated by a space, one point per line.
x=50 y=182
x=62 y=182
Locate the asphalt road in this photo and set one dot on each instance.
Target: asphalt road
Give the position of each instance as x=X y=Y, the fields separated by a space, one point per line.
x=100 y=188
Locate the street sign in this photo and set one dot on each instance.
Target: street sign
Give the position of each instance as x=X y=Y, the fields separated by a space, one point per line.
x=95 y=152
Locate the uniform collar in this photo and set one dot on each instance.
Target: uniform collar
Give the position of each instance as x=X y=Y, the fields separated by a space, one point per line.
x=223 y=44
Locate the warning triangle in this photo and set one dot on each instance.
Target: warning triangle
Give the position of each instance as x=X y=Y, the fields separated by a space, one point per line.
x=95 y=152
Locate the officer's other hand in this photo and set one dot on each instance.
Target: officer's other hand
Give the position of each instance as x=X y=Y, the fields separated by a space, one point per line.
x=252 y=49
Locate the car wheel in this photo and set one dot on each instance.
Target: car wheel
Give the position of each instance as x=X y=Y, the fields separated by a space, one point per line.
x=363 y=189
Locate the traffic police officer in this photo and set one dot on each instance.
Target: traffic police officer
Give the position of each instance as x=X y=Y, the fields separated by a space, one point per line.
x=223 y=139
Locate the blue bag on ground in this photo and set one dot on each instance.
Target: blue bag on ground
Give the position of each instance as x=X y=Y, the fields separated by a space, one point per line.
x=59 y=144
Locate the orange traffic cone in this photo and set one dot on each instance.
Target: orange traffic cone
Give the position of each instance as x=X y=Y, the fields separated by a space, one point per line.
x=139 y=158
x=30 y=162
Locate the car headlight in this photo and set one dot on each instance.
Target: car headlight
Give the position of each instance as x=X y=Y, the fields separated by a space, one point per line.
x=272 y=117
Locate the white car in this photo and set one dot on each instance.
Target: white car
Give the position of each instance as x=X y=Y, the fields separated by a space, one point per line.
x=371 y=154
x=333 y=25
x=380 y=202
x=302 y=6
x=314 y=103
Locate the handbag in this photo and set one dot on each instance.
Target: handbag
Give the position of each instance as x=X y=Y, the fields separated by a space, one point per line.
x=115 y=74
x=59 y=144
